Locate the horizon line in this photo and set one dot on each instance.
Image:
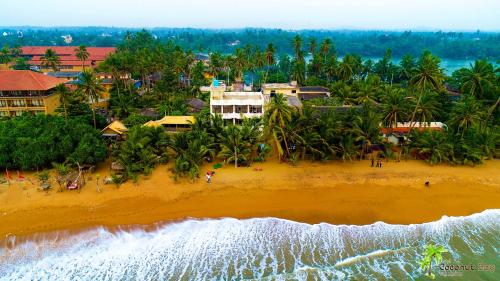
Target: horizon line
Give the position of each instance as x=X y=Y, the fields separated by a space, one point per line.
x=416 y=29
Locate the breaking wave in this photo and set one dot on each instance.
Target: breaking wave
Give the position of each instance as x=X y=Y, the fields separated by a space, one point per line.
x=253 y=249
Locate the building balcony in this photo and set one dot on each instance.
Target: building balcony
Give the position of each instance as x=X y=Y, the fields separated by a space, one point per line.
x=241 y=115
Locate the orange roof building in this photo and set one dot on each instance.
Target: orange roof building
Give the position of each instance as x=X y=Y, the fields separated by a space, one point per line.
x=67 y=56
x=24 y=91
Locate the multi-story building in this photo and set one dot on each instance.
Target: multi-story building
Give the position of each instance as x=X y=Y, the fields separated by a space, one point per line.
x=67 y=56
x=234 y=106
x=27 y=91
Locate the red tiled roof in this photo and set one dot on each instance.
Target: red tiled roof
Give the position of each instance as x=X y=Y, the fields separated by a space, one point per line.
x=26 y=80
x=67 y=54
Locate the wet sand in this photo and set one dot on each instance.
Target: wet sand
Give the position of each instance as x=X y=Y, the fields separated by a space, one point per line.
x=337 y=193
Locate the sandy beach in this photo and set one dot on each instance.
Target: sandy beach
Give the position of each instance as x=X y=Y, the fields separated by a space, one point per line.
x=337 y=193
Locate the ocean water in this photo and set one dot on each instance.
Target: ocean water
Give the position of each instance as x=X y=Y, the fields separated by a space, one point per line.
x=254 y=249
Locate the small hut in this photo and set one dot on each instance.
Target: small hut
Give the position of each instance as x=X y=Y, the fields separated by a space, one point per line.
x=115 y=130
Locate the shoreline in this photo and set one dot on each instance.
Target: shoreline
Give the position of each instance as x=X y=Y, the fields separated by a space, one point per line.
x=334 y=192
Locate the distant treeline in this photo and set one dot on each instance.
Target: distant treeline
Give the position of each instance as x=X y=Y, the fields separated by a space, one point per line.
x=450 y=45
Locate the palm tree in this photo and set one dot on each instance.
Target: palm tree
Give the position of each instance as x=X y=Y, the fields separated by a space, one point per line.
x=233 y=147
x=478 y=79
x=312 y=46
x=216 y=63
x=278 y=114
x=345 y=71
x=51 y=60
x=365 y=94
x=427 y=75
x=297 y=46
x=325 y=48
x=298 y=71
x=239 y=64
x=330 y=68
x=270 y=59
x=366 y=128
x=82 y=54
x=394 y=108
x=64 y=97
x=465 y=114
x=425 y=107
x=406 y=68
x=433 y=146
x=90 y=86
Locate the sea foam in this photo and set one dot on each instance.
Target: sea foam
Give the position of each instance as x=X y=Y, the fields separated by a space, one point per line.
x=253 y=249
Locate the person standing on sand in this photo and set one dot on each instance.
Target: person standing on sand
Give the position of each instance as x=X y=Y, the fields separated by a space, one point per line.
x=373 y=160
x=209 y=177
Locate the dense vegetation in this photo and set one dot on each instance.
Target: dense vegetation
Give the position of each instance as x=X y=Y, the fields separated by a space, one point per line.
x=375 y=94
x=451 y=45
x=35 y=142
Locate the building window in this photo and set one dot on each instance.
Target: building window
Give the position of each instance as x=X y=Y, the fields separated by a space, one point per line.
x=241 y=109
x=255 y=109
x=216 y=109
x=36 y=103
x=18 y=103
x=228 y=109
x=294 y=91
x=3 y=103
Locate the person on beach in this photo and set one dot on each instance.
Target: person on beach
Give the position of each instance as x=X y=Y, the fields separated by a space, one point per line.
x=373 y=160
x=380 y=163
x=209 y=177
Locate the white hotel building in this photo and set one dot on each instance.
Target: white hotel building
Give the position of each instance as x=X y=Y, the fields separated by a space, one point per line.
x=235 y=106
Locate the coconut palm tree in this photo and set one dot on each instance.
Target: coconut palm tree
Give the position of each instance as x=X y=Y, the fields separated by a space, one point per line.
x=51 y=60
x=366 y=128
x=270 y=58
x=233 y=147
x=325 y=47
x=345 y=70
x=278 y=114
x=466 y=113
x=394 y=107
x=216 y=63
x=82 y=54
x=312 y=46
x=433 y=146
x=239 y=64
x=365 y=94
x=425 y=107
x=427 y=74
x=297 y=46
x=90 y=86
x=299 y=68
x=479 y=79
x=64 y=97
x=406 y=68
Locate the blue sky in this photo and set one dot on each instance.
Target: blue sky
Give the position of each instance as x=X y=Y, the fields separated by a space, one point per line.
x=286 y=14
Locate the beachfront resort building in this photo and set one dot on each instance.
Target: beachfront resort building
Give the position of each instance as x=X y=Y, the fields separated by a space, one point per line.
x=24 y=91
x=67 y=56
x=234 y=106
